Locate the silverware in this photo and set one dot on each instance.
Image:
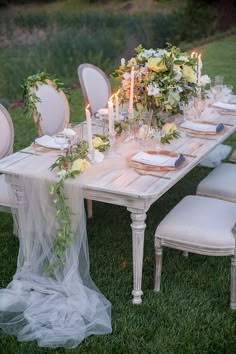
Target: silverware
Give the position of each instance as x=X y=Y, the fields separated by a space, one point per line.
x=149 y=173
x=28 y=153
x=199 y=137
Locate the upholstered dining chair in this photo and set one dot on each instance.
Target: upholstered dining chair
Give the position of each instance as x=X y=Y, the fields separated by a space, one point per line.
x=96 y=90
x=95 y=86
x=199 y=225
x=6 y=147
x=220 y=183
x=53 y=111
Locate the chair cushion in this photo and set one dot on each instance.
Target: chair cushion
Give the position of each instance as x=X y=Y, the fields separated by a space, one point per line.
x=220 y=183
x=5 y=199
x=200 y=221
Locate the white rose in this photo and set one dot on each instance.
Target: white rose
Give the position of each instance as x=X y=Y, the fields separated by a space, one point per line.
x=204 y=80
x=153 y=90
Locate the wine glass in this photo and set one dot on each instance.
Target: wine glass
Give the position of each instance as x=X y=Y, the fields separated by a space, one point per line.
x=199 y=104
x=187 y=109
x=144 y=127
x=61 y=141
x=216 y=86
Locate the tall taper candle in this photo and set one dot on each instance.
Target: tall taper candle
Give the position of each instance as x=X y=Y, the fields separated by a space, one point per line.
x=199 y=69
x=110 y=115
x=89 y=127
x=131 y=95
x=117 y=106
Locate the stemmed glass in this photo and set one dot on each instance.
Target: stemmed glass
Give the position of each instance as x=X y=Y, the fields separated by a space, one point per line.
x=61 y=141
x=199 y=104
x=187 y=109
x=144 y=127
x=112 y=152
x=216 y=87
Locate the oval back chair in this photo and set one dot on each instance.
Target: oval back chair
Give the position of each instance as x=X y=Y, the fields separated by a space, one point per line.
x=95 y=86
x=96 y=90
x=6 y=147
x=53 y=109
x=6 y=133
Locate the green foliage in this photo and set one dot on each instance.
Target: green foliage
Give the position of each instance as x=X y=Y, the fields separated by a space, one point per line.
x=57 y=41
x=65 y=235
x=191 y=313
x=29 y=94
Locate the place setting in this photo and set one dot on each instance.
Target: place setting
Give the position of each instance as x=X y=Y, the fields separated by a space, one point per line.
x=151 y=161
x=193 y=124
x=224 y=101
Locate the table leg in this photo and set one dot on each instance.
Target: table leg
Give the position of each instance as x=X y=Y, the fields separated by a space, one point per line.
x=138 y=227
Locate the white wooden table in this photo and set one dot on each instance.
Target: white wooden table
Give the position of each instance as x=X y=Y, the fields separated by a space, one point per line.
x=113 y=181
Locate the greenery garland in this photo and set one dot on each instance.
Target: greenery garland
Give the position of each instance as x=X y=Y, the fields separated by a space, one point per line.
x=68 y=166
x=30 y=97
x=64 y=237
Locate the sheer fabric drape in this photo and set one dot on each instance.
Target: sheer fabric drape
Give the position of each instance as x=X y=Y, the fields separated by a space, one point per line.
x=58 y=311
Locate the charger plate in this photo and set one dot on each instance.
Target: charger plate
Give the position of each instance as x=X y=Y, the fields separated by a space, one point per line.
x=145 y=167
x=198 y=132
x=40 y=148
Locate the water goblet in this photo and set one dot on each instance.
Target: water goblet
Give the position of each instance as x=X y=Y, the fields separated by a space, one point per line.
x=187 y=109
x=61 y=141
x=199 y=104
x=143 y=128
x=112 y=152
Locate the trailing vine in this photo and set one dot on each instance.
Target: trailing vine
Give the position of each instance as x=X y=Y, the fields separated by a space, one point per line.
x=29 y=95
x=68 y=166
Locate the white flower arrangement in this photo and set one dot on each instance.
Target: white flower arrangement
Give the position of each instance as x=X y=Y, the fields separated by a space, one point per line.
x=162 y=78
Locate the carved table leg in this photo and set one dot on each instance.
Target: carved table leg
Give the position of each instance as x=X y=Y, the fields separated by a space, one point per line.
x=138 y=227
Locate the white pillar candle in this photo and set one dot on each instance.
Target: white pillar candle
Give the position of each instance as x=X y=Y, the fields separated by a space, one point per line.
x=89 y=128
x=110 y=115
x=131 y=95
x=117 y=106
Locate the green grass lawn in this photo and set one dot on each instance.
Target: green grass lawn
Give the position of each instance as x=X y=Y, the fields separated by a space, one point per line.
x=191 y=314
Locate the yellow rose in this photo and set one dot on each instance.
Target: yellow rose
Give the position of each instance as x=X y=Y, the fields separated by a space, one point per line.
x=80 y=165
x=156 y=64
x=97 y=141
x=188 y=74
x=168 y=128
x=85 y=165
x=132 y=62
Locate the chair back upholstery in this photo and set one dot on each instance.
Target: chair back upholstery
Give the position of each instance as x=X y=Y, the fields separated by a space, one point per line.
x=53 y=108
x=95 y=86
x=6 y=133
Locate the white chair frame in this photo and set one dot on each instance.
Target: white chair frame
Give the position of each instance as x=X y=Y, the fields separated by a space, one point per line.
x=36 y=117
x=81 y=70
x=160 y=242
x=8 y=151
x=93 y=105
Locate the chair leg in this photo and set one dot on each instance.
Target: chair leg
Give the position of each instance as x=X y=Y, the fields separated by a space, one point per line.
x=89 y=208
x=158 y=264
x=233 y=284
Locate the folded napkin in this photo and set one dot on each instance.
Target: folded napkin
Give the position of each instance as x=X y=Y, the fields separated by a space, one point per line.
x=68 y=132
x=225 y=105
x=49 y=142
x=202 y=127
x=158 y=159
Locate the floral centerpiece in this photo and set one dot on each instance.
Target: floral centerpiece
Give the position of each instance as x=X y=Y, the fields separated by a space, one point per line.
x=162 y=78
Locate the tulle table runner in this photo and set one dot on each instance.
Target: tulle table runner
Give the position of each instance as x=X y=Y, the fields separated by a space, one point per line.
x=59 y=311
